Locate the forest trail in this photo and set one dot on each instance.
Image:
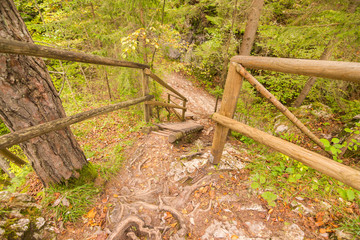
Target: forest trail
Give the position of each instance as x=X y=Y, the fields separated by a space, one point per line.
x=170 y=191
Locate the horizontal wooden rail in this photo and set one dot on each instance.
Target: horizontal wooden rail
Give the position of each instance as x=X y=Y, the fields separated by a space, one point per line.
x=348 y=71
x=35 y=131
x=329 y=167
x=30 y=49
x=263 y=91
x=164 y=84
x=12 y=157
x=164 y=104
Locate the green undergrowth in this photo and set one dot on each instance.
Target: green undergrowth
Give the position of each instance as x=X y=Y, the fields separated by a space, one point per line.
x=282 y=179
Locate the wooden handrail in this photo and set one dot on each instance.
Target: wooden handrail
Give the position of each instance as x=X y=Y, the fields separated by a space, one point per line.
x=348 y=71
x=341 y=172
x=30 y=49
x=164 y=104
x=22 y=135
x=284 y=110
x=164 y=84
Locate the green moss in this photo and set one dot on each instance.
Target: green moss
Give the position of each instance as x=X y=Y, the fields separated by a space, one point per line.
x=87 y=175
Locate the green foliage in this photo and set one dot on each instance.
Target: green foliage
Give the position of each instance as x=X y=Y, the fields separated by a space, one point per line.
x=270 y=198
x=70 y=203
x=3 y=128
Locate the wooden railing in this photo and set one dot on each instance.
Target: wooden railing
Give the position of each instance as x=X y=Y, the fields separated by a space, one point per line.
x=24 y=48
x=347 y=71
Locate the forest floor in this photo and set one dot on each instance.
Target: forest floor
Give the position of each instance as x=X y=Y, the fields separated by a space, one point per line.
x=171 y=191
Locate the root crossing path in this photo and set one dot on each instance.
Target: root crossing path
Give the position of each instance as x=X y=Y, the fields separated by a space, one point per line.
x=170 y=191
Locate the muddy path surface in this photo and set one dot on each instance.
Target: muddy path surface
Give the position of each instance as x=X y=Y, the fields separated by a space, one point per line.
x=171 y=191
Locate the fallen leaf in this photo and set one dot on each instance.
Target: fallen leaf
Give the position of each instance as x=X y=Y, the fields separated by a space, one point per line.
x=65 y=202
x=173 y=225
x=270 y=211
x=233 y=237
x=319 y=223
x=57 y=202
x=91 y=214
x=115 y=195
x=322 y=230
x=221 y=176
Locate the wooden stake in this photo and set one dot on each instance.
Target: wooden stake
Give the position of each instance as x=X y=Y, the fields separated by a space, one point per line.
x=228 y=106
x=145 y=92
x=263 y=91
x=343 y=173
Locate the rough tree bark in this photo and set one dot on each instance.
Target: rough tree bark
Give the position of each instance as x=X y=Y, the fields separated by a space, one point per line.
x=27 y=98
x=251 y=27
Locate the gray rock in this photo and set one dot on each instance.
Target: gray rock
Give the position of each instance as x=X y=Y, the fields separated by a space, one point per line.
x=301 y=208
x=258 y=229
x=293 y=232
x=40 y=222
x=357 y=117
x=220 y=233
x=253 y=207
x=22 y=225
x=341 y=235
x=281 y=128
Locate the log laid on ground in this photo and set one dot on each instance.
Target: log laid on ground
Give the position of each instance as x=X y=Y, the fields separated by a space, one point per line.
x=164 y=84
x=30 y=49
x=341 y=172
x=261 y=89
x=348 y=71
x=12 y=157
x=34 y=131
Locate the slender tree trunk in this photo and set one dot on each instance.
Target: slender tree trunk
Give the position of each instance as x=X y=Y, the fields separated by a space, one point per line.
x=311 y=80
x=27 y=98
x=251 y=27
x=325 y=56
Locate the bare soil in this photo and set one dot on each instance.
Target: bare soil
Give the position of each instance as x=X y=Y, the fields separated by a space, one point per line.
x=170 y=191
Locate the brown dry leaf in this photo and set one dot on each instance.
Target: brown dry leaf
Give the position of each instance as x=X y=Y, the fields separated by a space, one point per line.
x=319 y=223
x=91 y=214
x=322 y=230
x=104 y=200
x=212 y=194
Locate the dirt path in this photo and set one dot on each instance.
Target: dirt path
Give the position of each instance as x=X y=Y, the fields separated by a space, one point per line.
x=169 y=191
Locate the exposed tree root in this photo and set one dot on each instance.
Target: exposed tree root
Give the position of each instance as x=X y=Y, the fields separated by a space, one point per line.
x=183 y=198
x=182 y=231
x=197 y=210
x=120 y=233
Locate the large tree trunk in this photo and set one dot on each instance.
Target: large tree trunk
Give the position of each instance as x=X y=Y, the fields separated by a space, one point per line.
x=251 y=27
x=27 y=98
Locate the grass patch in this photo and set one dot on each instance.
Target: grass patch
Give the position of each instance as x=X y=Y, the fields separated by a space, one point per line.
x=70 y=203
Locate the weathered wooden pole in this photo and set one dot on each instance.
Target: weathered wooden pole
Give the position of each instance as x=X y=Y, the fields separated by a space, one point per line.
x=145 y=92
x=183 y=111
x=341 y=172
x=30 y=49
x=228 y=106
x=162 y=83
x=12 y=157
x=22 y=135
x=263 y=91
x=347 y=71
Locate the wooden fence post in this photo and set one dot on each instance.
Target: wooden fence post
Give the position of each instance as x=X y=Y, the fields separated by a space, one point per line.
x=145 y=92
x=228 y=106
